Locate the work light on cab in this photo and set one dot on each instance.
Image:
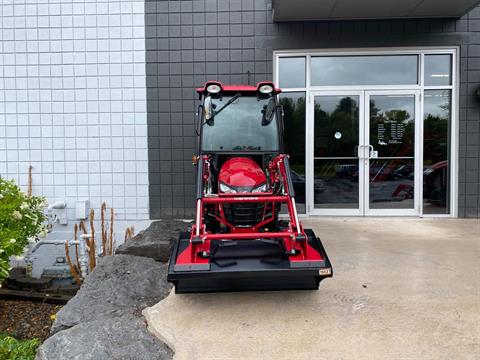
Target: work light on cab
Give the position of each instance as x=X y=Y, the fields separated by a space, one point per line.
x=213 y=88
x=266 y=89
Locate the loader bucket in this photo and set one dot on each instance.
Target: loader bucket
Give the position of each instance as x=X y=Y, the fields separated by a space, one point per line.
x=248 y=265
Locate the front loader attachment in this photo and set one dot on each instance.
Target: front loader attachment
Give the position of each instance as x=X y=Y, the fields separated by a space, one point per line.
x=238 y=242
x=248 y=265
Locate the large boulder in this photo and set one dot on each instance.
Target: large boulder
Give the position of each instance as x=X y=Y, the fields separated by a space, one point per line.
x=120 y=285
x=123 y=337
x=156 y=241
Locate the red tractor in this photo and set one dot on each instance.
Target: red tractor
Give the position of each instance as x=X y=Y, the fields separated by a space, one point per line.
x=246 y=235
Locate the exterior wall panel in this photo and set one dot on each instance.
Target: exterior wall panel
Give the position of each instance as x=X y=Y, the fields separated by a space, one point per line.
x=233 y=41
x=73 y=102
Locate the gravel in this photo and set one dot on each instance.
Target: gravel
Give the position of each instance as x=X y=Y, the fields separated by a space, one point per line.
x=26 y=319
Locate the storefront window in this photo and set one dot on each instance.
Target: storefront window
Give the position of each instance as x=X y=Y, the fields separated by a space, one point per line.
x=438 y=70
x=436 y=150
x=364 y=70
x=294 y=140
x=291 y=72
x=369 y=138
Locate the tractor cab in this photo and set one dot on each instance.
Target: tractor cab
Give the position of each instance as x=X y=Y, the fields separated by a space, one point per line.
x=240 y=134
x=240 y=119
x=238 y=241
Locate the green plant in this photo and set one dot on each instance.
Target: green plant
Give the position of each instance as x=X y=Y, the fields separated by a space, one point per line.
x=13 y=349
x=21 y=219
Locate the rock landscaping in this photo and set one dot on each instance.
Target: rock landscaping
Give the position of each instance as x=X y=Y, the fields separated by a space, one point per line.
x=104 y=319
x=121 y=337
x=155 y=242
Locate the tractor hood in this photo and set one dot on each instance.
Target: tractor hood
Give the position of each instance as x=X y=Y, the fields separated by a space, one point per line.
x=241 y=174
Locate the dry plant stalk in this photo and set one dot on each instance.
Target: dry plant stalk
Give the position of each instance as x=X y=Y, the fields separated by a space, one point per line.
x=103 y=230
x=30 y=181
x=82 y=227
x=110 y=245
x=73 y=268
x=75 y=238
x=129 y=233
x=91 y=242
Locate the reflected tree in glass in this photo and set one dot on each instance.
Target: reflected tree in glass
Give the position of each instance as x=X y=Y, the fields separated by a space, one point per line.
x=336 y=115
x=392 y=126
x=436 y=150
x=336 y=135
x=294 y=141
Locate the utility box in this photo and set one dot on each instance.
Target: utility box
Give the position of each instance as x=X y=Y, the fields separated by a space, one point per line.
x=82 y=207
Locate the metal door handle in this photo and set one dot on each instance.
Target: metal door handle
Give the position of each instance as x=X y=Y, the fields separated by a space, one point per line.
x=360 y=151
x=370 y=149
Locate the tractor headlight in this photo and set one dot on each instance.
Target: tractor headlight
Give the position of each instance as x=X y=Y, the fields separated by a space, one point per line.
x=261 y=188
x=227 y=189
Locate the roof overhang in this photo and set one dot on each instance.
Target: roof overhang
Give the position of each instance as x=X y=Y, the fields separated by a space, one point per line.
x=311 y=10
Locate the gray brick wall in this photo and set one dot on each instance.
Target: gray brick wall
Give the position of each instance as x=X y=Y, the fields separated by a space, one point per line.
x=188 y=42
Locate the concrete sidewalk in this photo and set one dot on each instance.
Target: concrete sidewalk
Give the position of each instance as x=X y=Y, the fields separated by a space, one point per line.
x=402 y=289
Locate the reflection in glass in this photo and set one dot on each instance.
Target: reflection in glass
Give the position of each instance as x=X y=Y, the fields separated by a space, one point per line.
x=291 y=71
x=294 y=141
x=436 y=150
x=336 y=184
x=391 y=184
x=365 y=70
x=438 y=70
x=392 y=125
x=336 y=126
x=240 y=126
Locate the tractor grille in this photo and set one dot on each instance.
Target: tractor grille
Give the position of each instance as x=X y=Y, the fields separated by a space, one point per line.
x=247 y=214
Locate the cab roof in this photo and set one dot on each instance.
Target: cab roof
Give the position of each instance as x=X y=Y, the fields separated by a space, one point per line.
x=237 y=88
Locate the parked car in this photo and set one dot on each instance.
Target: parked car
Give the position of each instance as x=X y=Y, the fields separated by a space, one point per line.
x=435 y=182
x=299 y=185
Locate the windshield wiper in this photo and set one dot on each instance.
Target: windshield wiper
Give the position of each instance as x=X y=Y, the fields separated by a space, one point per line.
x=229 y=102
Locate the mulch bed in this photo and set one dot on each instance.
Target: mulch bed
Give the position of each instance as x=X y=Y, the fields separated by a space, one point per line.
x=26 y=319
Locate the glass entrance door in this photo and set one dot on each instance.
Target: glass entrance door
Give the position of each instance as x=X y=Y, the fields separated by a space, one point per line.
x=391 y=155
x=363 y=153
x=336 y=175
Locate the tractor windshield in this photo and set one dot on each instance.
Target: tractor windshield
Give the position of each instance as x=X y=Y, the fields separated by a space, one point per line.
x=239 y=126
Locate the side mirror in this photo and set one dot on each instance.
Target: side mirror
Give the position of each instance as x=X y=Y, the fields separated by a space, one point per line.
x=208 y=110
x=268 y=111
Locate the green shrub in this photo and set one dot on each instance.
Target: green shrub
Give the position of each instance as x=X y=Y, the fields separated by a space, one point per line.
x=21 y=219
x=13 y=349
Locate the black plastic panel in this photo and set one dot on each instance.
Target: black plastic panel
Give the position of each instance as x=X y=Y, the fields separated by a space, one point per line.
x=258 y=268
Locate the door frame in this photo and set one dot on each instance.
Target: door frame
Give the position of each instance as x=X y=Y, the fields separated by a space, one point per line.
x=363 y=156
x=422 y=51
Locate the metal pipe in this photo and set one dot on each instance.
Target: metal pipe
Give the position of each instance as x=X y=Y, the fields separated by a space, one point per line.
x=197 y=221
x=247 y=236
x=244 y=199
x=294 y=207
